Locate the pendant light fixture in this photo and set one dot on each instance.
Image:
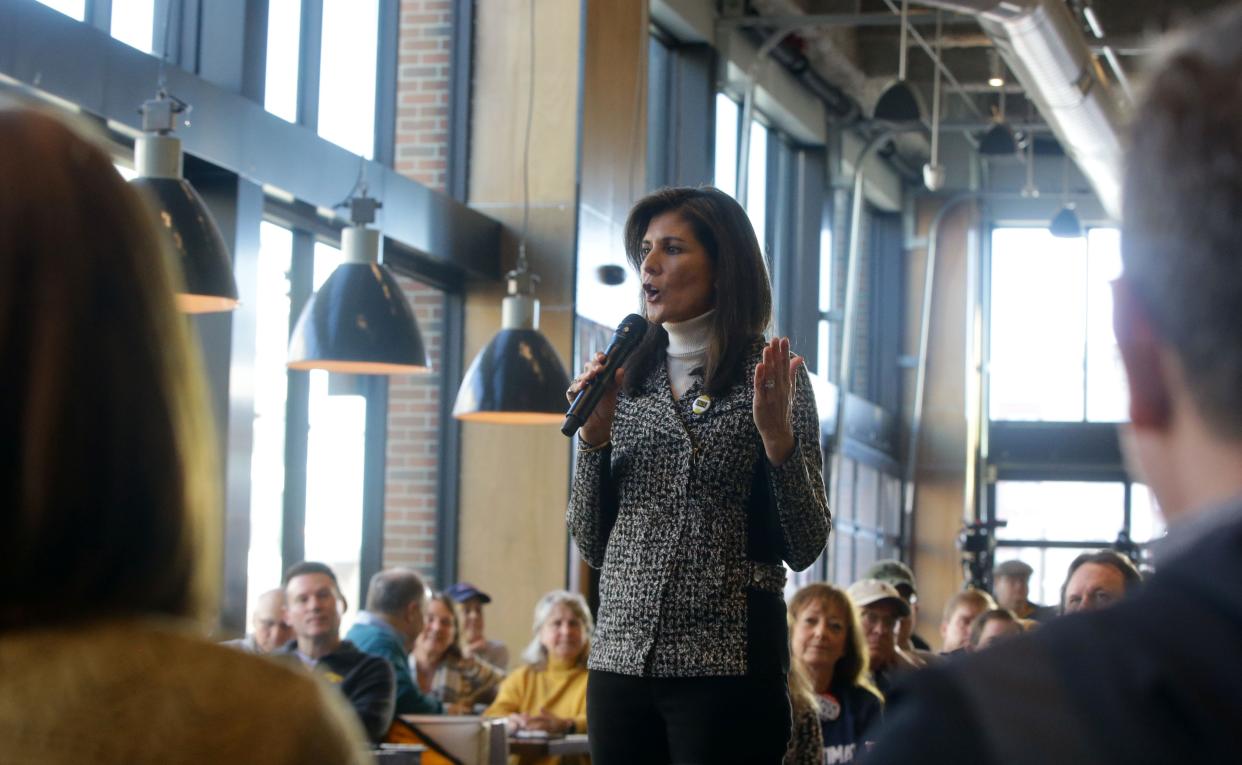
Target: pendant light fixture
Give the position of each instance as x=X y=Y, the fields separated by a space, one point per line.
x=359 y=321
x=933 y=171
x=999 y=141
x=898 y=102
x=517 y=379
x=1065 y=224
x=203 y=258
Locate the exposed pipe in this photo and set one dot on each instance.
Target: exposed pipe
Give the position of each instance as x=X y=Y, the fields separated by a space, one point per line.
x=1046 y=49
x=845 y=343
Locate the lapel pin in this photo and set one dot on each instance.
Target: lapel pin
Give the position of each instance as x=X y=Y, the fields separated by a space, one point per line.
x=701 y=404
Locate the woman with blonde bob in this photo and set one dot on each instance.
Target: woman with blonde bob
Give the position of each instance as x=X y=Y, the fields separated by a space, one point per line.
x=548 y=693
x=109 y=502
x=828 y=648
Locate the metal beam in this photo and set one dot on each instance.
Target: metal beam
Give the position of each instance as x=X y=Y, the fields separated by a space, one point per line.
x=234 y=133
x=855 y=20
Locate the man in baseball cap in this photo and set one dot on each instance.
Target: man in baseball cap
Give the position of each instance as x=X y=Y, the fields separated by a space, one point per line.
x=1011 y=584
x=880 y=611
x=901 y=577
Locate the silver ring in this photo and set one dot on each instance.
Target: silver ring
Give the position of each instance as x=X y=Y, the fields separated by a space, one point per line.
x=769 y=384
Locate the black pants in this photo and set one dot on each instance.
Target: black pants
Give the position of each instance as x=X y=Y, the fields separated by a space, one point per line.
x=687 y=720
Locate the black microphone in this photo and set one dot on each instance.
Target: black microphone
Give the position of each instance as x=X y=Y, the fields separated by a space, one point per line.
x=624 y=341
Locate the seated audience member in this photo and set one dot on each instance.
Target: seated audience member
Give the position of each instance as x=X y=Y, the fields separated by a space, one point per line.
x=314 y=603
x=1153 y=678
x=881 y=609
x=959 y=613
x=1098 y=579
x=828 y=648
x=389 y=627
x=548 y=693
x=110 y=493
x=271 y=631
x=474 y=643
x=991 y=626
x=443 y=672
x=901 y=577
x=1011 y=583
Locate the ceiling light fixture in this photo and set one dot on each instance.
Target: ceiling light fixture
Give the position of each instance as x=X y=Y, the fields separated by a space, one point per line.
x=359 y=322
x=517 y=379
x=898 y=102
x=997 y=78
x=206 y=268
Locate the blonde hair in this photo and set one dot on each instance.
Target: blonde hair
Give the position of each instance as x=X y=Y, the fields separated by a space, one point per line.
x=535 y=653
x=853 y=668
x=107 y=455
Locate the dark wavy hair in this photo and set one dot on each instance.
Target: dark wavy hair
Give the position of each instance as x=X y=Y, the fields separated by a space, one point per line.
x=743 y=291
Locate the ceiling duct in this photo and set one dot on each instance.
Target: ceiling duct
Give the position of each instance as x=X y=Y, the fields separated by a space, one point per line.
x=1047 y=51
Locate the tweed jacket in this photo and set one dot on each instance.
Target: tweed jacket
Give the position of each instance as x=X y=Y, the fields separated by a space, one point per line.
x=689 y=523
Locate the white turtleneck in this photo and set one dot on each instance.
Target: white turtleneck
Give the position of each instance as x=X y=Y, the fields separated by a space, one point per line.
x=687 y=349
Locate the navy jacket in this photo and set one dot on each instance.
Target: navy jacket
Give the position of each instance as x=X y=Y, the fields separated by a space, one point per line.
x=367 y=682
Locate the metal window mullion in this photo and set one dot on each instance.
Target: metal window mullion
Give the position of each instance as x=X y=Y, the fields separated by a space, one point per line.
x=297 y=409
x=460 y=79
x=447 y=494
x=387 y=60
x=99 y=15
x=310 y=49
x=374 y=467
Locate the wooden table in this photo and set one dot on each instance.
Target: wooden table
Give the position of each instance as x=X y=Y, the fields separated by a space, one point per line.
x=550 y=747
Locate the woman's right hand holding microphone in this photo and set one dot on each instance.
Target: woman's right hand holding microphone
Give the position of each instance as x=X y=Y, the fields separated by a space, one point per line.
x=597 y=429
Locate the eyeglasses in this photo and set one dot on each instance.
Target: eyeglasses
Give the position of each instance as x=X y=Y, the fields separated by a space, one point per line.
x=873 y=619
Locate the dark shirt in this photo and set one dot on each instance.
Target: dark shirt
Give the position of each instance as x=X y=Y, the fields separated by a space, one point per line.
x=366 y=681
x=848 y=717
x=919 y=643
x=1149 y=680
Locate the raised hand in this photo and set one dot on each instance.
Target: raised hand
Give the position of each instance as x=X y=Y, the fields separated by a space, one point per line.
x=772 y=407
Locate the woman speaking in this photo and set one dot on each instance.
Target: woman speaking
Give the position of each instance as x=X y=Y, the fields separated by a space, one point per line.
x=697 y=474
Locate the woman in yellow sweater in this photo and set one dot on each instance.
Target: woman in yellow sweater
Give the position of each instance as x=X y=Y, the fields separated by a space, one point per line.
x=548 y=693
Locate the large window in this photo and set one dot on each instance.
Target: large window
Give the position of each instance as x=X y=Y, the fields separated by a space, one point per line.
x=284 y=26
x=73 y=8
x=757 y=183
x=133 y=23
x=336 y=451
x=267 y=459
x=726 y=144
x=824 y=325
x=1049 y=523
x=347 y=70
x=1052 y=354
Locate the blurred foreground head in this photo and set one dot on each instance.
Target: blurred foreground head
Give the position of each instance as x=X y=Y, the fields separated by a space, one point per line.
x=1178 y=306
x=107 y=483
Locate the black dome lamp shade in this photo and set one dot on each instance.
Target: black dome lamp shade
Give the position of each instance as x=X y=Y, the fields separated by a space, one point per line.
x=201 y=253
x=359 y=321
x=517 y=379
x=898 y=103
x=999 y=142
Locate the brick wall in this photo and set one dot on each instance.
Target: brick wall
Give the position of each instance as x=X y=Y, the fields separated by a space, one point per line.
x=423 y=91
x=414 y=401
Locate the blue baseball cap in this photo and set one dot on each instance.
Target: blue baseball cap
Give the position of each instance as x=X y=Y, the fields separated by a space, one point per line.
x=463 y=591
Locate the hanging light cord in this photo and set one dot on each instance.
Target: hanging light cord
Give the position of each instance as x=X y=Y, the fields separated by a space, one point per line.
x=935 y=136
x=530 y=113
x=905 y=25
